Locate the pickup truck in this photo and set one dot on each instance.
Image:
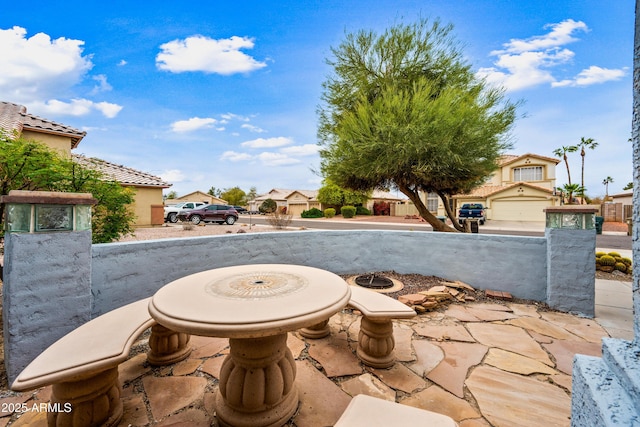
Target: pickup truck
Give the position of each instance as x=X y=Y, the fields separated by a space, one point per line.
x=472 y=211
x=171 y=211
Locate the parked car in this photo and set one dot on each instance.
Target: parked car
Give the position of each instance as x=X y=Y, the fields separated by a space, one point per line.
x=171 y=211
x=472 y=211
x=241 y=210
x=210 y=213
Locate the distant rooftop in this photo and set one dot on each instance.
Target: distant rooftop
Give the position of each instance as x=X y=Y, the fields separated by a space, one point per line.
x=14 y=118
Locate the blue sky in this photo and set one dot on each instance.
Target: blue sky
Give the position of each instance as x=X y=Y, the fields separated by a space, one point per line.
x=224 y=94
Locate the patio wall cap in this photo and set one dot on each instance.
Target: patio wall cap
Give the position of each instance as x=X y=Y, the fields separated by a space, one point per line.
x=48 y=198
x=571 y=209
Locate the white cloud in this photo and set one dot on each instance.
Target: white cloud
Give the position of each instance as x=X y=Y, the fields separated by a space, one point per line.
x=592 y=75
x=200 y=53
x=234 y=156
x=173 y=175
x=559 y=35
x=525 y=63
x=122 y=63
x=37 y=67
x=301 y=150
x=276 y=159
x=252 y=128
x=37 y=71
x=231 y=116
x=268 y=142
x=194 y=123
x=76 y=107
x=102 y=86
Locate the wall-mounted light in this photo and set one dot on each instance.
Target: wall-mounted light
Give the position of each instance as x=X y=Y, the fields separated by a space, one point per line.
x=47 y=211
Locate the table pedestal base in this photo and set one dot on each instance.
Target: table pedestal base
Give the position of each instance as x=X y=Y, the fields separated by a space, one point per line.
x=257 y=383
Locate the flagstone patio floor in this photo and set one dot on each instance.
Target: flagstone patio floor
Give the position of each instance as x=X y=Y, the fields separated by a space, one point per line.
x=483 y=364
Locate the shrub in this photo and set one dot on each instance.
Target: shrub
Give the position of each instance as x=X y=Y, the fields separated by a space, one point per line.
x=312 y=213
x=348 y=211
x=268 y=206
x=620 y=266
x=381 y=208
x=329 y=212
x=279 y=218
x=361 y=210
x=607 y=260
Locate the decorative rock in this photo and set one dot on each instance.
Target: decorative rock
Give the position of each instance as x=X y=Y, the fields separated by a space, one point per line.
x=412 y=299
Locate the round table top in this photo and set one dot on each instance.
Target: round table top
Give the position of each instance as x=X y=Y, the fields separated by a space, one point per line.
x=249 y=301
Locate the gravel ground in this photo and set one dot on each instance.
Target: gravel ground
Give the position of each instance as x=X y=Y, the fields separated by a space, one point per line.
x=178 y=230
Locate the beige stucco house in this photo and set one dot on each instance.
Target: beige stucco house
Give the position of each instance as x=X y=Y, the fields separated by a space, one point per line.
x=518 y=190
x=147 y=205
x=196 y=196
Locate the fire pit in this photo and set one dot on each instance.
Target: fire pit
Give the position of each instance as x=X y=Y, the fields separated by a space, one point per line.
x=376 y=282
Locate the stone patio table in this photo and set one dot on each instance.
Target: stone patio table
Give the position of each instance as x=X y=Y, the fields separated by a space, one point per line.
x=255 y=306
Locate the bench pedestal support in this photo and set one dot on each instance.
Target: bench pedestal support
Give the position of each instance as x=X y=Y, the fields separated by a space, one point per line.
x=319 y=330
x=87 y=401
x=376 y=343
x=167 y=347
x=257 y=383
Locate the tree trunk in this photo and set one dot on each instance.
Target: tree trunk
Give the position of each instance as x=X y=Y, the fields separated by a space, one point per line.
x=423 y=211
x=582 y=153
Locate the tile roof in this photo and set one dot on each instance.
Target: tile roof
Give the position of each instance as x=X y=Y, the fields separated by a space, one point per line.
x=509 y=158
x=490 y=190
x=121 y=174
x=14 y=117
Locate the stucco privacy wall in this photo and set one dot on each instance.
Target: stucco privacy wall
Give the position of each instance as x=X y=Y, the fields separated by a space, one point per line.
x=125 y=272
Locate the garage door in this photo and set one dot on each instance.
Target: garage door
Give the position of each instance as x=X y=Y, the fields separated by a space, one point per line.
x=296 y=209
x=518 y=210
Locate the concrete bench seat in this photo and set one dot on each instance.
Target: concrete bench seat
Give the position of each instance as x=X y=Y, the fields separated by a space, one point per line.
x=375 y=340
x=367 y=411
x=82 y=366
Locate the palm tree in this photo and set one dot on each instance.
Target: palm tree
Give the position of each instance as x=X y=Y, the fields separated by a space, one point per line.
x=570 y=190
x=608 y=180
x=562 y=153
x=585 y=143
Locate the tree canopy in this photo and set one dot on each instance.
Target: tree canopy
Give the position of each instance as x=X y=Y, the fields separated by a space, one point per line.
x=234 y=196
x=30 y=165
x=334 y=195
x=404 y=110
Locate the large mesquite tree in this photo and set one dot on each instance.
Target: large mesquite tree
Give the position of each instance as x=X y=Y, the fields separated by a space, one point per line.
x=403 y=109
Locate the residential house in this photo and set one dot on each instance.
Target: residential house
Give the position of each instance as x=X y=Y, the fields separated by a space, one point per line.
x=619 y=208
x=147 y=205
x=196 y=196
x=297 y=201
x=519 y=190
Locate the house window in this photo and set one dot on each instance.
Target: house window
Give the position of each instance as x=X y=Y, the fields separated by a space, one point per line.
x=531 y=173
x=432 y=202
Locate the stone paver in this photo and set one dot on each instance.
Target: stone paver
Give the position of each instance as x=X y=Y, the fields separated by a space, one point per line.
x=512 y=362
x=454 y=332
x=563 y=351
x=321 y=400
x=335 y=355
x=369 y=385
x=508 y=400
x=586 y=329
x=541 y=327
x=400 y=378
x=169 y=394
x=452 y=370
x=428 y=356
x=509 y=338
x=437 y=400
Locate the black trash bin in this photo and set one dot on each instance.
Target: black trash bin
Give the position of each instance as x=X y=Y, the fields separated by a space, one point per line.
x=599 y=222
x=474 y=225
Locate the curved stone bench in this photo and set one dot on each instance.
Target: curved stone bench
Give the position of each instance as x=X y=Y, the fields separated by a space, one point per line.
x=375 y=340
x=367 y=411
x=82 y=366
